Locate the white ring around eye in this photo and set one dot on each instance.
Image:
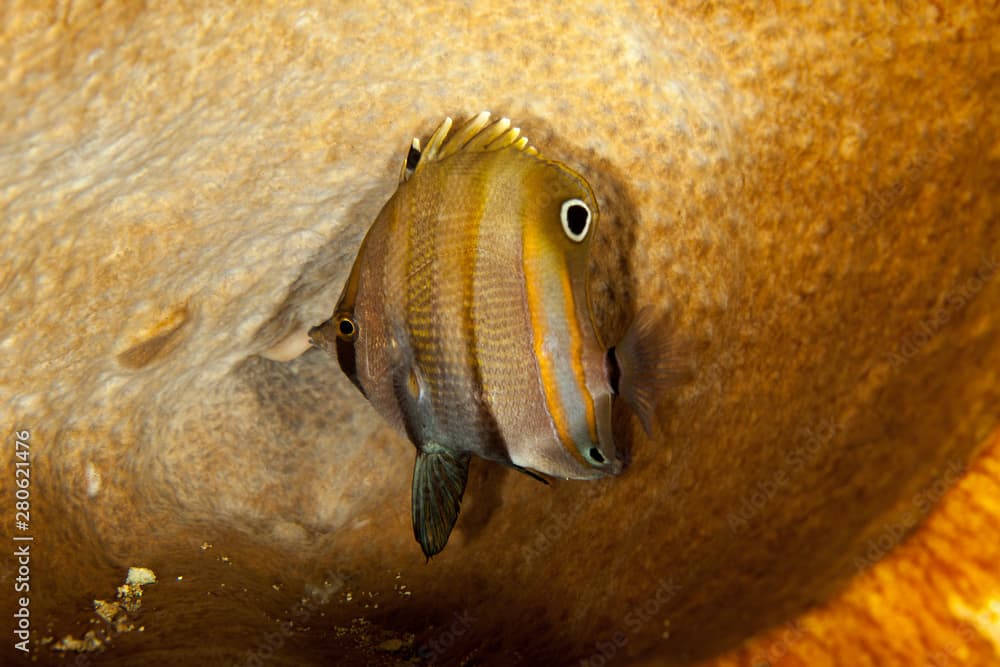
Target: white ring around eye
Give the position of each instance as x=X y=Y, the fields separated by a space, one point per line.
x=575 y=226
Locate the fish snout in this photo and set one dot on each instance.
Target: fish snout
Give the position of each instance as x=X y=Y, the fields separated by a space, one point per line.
x=323 y=335
x=606 y=462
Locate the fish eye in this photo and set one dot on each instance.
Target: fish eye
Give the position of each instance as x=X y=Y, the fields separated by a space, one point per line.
x=347 y=328
x=595 y=454
x=575 y=215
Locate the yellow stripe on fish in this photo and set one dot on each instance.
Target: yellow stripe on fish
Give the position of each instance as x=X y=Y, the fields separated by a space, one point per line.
x=554 y=331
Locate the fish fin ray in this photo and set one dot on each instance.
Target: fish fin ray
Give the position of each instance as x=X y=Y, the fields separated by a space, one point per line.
x=478 y=135
x=652 y=360
x=485 y=133
x=439 y=478
x=510 y=137
x=411 y=161
x=434 y=144
x=464 y=135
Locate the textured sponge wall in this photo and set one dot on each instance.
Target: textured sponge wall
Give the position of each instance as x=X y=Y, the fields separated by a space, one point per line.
x=811 y=194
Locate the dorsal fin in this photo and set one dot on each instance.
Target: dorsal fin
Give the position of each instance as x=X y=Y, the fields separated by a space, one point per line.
x=477 y=135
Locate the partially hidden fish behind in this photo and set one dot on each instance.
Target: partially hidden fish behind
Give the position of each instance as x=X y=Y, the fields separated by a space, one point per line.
x=466 y=321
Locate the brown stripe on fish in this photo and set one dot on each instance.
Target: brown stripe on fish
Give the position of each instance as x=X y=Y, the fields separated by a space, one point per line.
x=555 y=332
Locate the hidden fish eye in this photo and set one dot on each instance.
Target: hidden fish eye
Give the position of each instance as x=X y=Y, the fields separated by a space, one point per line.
x=347 y=328
x=595 y=455
x=575 y=216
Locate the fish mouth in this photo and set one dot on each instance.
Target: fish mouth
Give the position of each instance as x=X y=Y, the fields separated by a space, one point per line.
x=602 y=466
x=319 y=335
x=616 y=467
x=618 y=464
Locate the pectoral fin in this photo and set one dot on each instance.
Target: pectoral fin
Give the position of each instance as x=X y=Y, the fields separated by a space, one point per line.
x=439 y=477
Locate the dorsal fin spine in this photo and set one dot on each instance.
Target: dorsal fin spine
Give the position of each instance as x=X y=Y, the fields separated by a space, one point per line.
x=477 y=134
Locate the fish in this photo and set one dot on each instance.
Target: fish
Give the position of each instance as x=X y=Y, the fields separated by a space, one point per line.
x=466 y=321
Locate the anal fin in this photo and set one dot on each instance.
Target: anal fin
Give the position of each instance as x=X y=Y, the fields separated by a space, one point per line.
x=439 y=478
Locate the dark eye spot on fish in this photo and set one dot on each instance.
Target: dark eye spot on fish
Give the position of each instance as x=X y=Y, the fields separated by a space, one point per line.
x=575 y=216
x=596 y=455
x=347 y=332
x=347 y=329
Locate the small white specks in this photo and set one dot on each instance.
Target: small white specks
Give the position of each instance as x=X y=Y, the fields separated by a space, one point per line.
x=305 y=20
x=700 y=158
x=674 y=89
x=93 y=480
x=633 y=51
x=26 y=403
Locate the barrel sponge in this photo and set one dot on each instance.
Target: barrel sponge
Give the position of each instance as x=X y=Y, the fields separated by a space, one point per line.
x=809 y=196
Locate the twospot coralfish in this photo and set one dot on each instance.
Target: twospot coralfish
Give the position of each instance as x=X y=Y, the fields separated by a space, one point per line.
x=466 y=321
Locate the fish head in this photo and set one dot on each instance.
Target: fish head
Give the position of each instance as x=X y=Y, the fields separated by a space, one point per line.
x=359 y=334
x=559 y=215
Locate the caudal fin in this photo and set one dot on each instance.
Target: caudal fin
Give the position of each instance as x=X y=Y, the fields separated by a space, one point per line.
x=439 y=477
x=651 y=360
